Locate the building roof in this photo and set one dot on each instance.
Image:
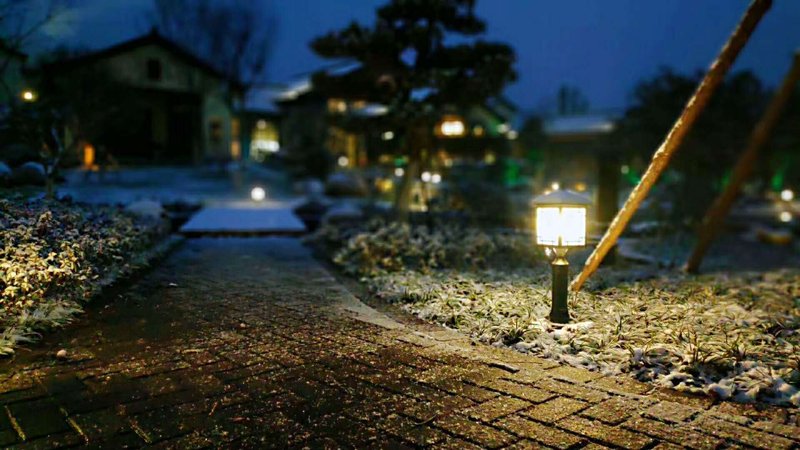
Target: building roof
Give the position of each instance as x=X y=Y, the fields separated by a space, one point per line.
x=262 y=98
x=151 y=38
x=584 y=124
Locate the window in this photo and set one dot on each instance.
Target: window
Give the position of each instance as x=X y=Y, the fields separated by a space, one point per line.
x=153 y=69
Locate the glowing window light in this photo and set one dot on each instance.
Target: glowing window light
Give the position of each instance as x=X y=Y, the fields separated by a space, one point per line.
x=452 y=127
x=258 y=194
x=787 y=195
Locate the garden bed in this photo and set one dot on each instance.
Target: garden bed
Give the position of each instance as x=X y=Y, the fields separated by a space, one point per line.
x=57 y=255
x=733 y=336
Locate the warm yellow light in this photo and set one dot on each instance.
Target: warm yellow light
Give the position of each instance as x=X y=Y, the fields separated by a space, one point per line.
x=28 y=95
x=343 y=161
x=399 y=172
x=580 y=186
x=787 y=195
x=426 y=176
x=785 y=216
x=387 y=135
x=555 y=186
x=258 y=194
x=561 y=226
x=477 y=130
x=88 y=156
x=452 y=127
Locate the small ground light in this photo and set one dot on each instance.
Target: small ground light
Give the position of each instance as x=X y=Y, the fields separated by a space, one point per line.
x=785 y=216
x=399 y=172
x=343 y=161
x=560 y=219
x=787 y=195
x=436 y=178
x=426 y=176
x=28 y=95
x=258 y=194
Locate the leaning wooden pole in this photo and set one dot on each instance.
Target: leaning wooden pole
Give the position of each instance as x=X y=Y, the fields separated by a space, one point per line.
x=744 y=167
x=661 y=157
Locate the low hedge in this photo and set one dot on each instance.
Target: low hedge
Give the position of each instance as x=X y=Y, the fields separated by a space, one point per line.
x=56 y=255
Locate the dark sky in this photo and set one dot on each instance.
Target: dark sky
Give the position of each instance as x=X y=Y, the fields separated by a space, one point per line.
x=601 y=47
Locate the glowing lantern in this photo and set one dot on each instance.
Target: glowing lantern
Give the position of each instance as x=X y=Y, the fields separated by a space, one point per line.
x=560 y=225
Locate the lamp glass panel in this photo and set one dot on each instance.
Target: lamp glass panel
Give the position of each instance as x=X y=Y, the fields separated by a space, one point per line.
x=561 y=226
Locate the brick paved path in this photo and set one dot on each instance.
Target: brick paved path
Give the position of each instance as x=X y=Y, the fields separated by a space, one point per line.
x=241 y=343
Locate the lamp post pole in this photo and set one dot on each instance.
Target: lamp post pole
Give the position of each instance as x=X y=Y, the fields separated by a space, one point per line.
x=559 y=312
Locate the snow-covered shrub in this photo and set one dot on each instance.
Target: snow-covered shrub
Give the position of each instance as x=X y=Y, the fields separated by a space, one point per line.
x=55 y=255
x=381 y=247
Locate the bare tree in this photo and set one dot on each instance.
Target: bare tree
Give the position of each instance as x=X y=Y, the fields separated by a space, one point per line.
x=234 y=36
x=19 y=22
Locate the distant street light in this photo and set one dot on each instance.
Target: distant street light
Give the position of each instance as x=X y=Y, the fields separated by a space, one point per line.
x=787 y=195
x=426 y=176
x=399 y=172
x=258 y=194
x=560 y=225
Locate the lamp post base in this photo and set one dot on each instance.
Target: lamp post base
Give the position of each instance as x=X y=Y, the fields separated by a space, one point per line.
x=559 y=312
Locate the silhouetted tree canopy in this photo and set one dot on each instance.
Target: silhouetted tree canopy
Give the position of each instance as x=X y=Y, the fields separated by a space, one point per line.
x=710 y=149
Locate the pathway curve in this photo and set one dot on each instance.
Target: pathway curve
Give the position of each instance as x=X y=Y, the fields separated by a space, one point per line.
x=250 y=343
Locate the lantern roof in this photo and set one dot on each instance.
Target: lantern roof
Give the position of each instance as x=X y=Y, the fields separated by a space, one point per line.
x=561 y=197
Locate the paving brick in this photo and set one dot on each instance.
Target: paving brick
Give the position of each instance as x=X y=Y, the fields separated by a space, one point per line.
x=98 y=425
x=573 y=374
x=740 y=433
x=495 y=408
x=614 y=410
x=555 y=409
x=410 y=431
x=60 y=440
x=572 y=390
x=788 y=431
x=525 y=392
x=671 y=412
x=37 y=418
x=483 y=435
x=621 y=384
x=605 y=433
x=544 y=434
x=676 y=434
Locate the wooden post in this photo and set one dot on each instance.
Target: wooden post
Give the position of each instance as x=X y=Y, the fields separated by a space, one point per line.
x=744 y=166
x=662 y=156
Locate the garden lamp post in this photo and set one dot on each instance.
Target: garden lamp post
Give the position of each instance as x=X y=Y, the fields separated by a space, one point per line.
x=560 y=224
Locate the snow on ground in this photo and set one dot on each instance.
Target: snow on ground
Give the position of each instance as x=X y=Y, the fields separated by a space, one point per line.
x=735 y=336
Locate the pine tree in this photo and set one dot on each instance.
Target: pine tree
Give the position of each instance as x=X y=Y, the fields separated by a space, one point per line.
x=418 y=57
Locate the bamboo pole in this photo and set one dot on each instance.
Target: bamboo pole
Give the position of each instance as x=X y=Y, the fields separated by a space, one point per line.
x=744 y=166
x=661 y=157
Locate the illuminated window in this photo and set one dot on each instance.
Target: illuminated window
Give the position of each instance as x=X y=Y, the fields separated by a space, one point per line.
x=264 y=140
x=336 y=106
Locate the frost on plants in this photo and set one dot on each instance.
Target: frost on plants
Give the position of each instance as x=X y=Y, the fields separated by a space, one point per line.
x=54 y=256
x=735 y=336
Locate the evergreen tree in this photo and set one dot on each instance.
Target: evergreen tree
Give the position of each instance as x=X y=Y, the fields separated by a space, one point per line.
x=418 y=57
